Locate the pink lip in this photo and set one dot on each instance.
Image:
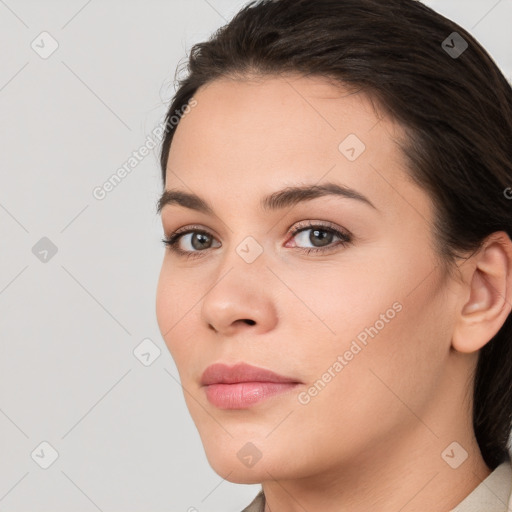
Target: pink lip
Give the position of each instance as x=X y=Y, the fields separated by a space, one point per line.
x=242 y=385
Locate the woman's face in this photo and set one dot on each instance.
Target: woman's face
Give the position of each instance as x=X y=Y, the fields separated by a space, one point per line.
x=362 y=327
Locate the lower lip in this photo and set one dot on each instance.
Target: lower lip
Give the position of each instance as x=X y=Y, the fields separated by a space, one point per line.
x=244 y=394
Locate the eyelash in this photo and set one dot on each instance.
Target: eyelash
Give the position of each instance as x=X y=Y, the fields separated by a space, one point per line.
x=172 y=242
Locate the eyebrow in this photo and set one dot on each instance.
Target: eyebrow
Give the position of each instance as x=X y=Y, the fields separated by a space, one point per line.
x=278 y=200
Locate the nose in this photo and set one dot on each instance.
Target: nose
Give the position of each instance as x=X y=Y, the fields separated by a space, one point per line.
x=241 y=299
x=247 y=321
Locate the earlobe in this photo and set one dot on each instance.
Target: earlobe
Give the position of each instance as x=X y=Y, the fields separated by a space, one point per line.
x=489 y=279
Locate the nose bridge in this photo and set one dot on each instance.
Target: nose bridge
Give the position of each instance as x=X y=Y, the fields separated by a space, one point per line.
x=247 y=241
x=244 y=263
x=240 y=290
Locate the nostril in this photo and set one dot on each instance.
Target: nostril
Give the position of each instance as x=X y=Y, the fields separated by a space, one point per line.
x=250 y=322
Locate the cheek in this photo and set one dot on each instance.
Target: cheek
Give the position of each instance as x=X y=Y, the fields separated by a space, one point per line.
x=390 y=332
x=403 y=362
x=372 y=397
x=164 y=302
x=336 y=303
x=178 y=302
x=173 y=301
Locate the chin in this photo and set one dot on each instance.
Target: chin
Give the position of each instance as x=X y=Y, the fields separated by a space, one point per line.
x=243 y=464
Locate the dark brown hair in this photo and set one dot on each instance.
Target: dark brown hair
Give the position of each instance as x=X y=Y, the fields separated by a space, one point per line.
x=456 y=110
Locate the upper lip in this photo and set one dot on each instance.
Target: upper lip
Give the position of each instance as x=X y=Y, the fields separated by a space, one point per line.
x=220 y=373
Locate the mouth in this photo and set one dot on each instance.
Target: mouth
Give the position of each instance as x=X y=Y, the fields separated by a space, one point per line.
x=242 y=385
x=244 y=394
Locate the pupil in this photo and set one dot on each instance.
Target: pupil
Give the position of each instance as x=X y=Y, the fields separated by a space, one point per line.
x=324 y=238
x=202 y=240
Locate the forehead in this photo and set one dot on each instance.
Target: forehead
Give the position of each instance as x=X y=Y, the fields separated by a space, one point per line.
x=279 y=110
x=263 y=133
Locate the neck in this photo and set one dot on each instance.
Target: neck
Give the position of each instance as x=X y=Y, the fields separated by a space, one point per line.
x=405 y=479
x=408 y=471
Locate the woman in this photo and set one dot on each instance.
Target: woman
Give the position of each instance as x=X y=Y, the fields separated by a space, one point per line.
x=337 y=284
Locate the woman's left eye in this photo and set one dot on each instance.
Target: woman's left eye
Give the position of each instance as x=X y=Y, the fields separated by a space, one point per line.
x=320 y=234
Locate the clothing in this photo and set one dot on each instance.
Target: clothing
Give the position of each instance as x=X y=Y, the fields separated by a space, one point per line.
x=257 y=504
x=492 y=495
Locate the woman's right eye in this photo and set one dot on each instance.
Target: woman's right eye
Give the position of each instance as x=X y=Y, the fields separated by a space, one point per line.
x=197 y=239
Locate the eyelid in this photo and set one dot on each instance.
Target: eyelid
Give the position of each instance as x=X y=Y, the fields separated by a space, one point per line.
x=304 y=225
x=173 y=239
x=192 y=227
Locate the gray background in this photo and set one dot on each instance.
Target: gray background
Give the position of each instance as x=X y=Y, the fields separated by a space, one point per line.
x=69 y=325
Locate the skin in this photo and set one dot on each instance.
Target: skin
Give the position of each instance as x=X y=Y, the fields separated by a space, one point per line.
x=374 y=435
